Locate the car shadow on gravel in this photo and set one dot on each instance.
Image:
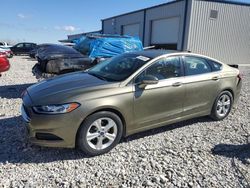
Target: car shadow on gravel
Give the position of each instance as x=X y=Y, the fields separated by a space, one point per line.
x=13 y=91
x=168 y=128
x=29 y=59
x=241 y=151
x=15 y=147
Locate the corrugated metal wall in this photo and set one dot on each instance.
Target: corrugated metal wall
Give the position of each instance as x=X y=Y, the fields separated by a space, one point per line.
x=114 y=25
x=226 y=38
x=76 y=36
x=176 y=9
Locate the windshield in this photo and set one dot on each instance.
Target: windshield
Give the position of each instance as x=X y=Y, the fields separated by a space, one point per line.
x=118 y=68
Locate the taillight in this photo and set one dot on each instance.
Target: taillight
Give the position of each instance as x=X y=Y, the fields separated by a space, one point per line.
x=239 y=76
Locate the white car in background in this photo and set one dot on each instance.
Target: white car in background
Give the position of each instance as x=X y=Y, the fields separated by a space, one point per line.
x=6 y=51
x=5 y=45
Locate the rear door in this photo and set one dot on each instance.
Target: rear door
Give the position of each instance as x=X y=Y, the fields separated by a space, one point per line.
x=28 y=47
x=202 y=84
x=162 y=102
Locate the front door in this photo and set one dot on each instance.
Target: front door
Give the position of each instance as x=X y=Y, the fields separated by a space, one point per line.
x=162 y=102
x=19 y=48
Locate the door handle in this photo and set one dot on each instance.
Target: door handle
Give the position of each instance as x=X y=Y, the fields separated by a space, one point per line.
x=215 y=78
x=177 y=84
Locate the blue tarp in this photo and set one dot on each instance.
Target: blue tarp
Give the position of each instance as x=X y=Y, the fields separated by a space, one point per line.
x=107 y=46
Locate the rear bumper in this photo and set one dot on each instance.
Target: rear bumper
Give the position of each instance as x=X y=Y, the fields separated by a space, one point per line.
x=237 y=92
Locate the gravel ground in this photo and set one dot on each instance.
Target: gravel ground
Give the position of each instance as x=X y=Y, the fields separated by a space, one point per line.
x=194 y=153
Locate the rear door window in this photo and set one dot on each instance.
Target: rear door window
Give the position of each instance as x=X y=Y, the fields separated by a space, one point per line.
x=215 y=65
x=28 y=45
x=20 y=45
x=196 y=65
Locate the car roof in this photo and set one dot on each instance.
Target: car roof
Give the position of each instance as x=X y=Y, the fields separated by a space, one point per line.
x=95 y=36
x=153 y=53
x=26 y=43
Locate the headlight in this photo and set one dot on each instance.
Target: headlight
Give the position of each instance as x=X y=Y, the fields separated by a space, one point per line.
x=56 y=109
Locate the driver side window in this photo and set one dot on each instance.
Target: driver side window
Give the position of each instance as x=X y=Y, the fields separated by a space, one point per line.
x=163 y=69
x=20 y=45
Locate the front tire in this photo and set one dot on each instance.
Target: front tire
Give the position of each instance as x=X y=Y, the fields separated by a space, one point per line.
x=99 y=133
x=222 y=106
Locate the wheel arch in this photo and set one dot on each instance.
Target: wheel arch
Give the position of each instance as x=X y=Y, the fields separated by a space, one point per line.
x=212 y=113
x=230 y=90
x=108 y=109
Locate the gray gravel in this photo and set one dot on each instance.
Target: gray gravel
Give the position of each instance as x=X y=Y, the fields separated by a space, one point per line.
x=194 y=153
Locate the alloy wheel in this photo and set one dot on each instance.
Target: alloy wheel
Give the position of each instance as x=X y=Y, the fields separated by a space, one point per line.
x=223 y=105
x=101 y=133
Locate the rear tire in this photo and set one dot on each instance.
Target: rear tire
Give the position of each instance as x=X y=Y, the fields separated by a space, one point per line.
x=222 y=106
x=99 y=133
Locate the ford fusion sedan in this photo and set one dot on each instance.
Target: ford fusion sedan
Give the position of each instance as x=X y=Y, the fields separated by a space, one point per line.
x=127 y=94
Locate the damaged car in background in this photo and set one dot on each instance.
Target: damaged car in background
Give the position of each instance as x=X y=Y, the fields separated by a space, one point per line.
x=34 y=53
x=87 y=52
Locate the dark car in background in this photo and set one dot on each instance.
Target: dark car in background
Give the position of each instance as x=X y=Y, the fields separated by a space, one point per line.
x=59 y=59
x=23 y=48
x=88 y=51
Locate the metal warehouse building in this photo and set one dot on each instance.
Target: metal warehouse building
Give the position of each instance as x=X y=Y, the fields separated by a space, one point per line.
x=218 y=29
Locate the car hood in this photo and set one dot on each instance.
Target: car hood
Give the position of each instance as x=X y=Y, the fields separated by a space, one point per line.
x=62 y=87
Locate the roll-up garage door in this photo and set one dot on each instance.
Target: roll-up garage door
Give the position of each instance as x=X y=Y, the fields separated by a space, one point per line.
x=132 y=30
x=165 y=31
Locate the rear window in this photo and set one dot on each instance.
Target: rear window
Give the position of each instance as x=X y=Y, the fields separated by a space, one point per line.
x=196 y=65
x=215 y=65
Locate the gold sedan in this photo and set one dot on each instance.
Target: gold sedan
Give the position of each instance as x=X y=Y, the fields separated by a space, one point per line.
x=130 y=93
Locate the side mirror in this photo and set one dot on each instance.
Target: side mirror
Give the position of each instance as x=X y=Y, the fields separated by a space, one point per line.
x=148 y=80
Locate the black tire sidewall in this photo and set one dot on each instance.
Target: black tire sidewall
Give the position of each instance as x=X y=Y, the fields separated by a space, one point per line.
x=82 y=132
x=214 y=113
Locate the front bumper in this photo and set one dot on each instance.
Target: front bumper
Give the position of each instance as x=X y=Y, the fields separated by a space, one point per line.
x=60 y=130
